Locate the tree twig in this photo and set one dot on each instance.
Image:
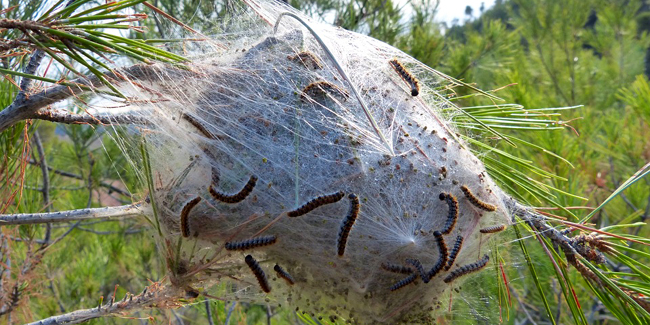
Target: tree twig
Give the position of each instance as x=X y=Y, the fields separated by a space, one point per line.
x=45 y=190
x=123 y=211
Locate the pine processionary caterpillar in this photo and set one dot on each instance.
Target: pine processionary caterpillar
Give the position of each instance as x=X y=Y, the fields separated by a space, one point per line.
x=237 y=197
x=321 y=88
x=199 y=126
x=284 y=274
x=418 y=266
x=406 y=76
x=404 y=282
x=308 y=59
x=251 y=243
x=444 y=254
x=466 y=269
x=396 y=268
x=258 y=272
x=454 y=252
x=452 y=217
x=476 y=202
x=493 y=229
x=185 y=214
x=315 y=203
x=348 y=222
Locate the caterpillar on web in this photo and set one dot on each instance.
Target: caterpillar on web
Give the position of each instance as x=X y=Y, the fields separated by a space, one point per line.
x=322 y=88
x=418 y=266
x=476 y=201
x=199 y=126
x=258 y=272
x=251 y=243
x=396 y=268
x=237 y=197
x=452 y=217
x=315 y=203
x=406 y=76
x=493 y=229
x=454 y=252
x=284 y=274
x=443 y=252
x=348 y=222
x=185 y=213
x=466 y=269
x=308 y=59
x=404 y=282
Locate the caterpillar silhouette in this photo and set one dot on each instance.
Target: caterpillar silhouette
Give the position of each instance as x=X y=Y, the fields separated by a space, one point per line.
x=466 y=269
x=185 y=214
x=404 y=282
x=476 y=201
x=418 y=266
x=454 y=252
x=284 y=274
x=443 y=252
x=321 y=88
x=237 y=197
x=348 y=222
x=406 y=76
x=452 y=217
x=315 y=203
x=396 y=268
x=251 y=243
x=258 y=272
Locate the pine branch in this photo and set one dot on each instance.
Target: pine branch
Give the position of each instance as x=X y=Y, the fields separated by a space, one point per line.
x=123 y=211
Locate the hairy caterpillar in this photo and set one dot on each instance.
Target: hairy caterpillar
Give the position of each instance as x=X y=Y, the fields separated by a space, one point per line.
x=258 y=272
x=466 y=269
x=251 y=243
x=476 y=202
x=199 y=126
x=320 y=88
x=308 y=59
x=442 y=249
x=396 y=268
x=237 y=197
x=418 y=266
x=493 y=229
x=315 y=203
x=406 y=76
x=452 y=217
x=348 y=222
x=185 y=224
x=454 y=252
x=284 y=274
x=404 y=282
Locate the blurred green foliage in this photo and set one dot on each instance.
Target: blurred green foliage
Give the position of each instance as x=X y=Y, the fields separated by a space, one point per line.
x=549 y=53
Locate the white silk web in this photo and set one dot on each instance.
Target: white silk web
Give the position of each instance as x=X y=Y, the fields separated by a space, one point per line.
x=270 y=121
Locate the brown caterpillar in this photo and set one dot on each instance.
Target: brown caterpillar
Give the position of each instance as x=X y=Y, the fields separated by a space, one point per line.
x=476 y=202
x=251 y=243
x=199 y=126
x=315 y=203
x=444 y=254
x=466 y=269
x=452 y=217
x=348 y=222
x=454 y=252
x=308 y=59
x=237 y=197
x=493 y=229
x=259 y=273
x=418 y=266
x=185 y=224
x=321 y=88
x=406 y=76
x=396 y=268
x=284 y=274
x=404 y=282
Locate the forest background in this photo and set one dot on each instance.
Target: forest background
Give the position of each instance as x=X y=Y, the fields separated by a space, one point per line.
x=539 y=53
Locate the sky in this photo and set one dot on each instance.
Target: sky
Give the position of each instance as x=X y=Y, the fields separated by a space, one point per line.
x=450 y=9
